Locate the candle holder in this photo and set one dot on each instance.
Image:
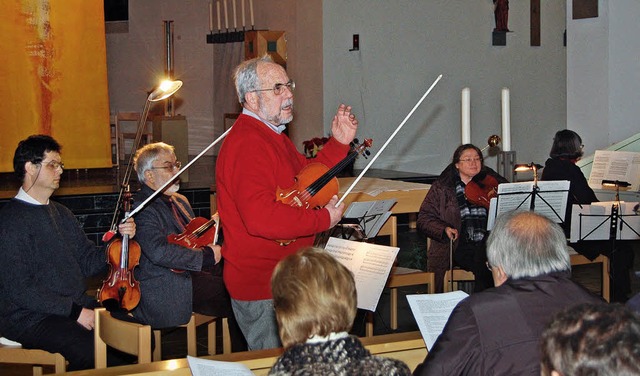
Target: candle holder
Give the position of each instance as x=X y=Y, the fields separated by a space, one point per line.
x=221 y=37
x=506 y=164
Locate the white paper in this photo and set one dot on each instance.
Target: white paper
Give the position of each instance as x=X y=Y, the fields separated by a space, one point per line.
x=370 y=265
x=550 y=201
x=371 y=215
x=432 y=312
x=593 y=222
x=206 y=367
x=615 y=165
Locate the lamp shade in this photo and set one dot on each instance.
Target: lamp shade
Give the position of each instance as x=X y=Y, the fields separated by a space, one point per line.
x=165 y=90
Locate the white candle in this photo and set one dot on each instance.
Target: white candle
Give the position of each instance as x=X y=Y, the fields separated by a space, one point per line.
x=242 y=11
x=226 y=17
x=465 y=110
x=251 y=12
x=218 y=9
x=210 y=17
x=506 y=121
x=235 y=25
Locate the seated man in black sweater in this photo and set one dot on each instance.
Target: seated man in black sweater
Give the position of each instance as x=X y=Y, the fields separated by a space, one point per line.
x=44 y=260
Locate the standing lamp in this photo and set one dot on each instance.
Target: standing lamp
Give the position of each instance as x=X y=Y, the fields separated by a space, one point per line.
x=166 y=89
x=617 y=184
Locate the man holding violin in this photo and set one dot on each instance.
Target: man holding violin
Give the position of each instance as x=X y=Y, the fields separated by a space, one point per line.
x=44 y=260
x=176 y=278
x=256 y=159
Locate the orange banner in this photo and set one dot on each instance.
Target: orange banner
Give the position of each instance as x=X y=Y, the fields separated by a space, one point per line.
x=53 y=79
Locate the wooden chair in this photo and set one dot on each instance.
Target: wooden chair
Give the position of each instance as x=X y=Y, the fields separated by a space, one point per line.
x=126 y=125
x=196 y=320
x=13 y=353
x=128 y=337
x=459 y=275
x=399 y=277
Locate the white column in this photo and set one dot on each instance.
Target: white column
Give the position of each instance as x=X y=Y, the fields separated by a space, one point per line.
x=465 y=118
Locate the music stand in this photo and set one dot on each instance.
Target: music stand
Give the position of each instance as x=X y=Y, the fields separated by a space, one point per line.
x=547 y=198
x=609 y=221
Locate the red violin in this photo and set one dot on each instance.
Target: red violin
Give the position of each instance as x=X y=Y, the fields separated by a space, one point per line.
x=199 y=232
x=481 y=189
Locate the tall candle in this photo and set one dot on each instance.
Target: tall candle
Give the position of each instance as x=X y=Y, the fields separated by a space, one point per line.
x=251 y=12
x=506 y=121
x=242 y=11
x=465 y=110
x=226 y=17
x=210 y=17
x=218 y=9
x=235 y=25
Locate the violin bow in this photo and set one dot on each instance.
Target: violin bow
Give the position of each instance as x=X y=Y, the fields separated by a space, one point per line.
x=388 y=141
x=166 y=184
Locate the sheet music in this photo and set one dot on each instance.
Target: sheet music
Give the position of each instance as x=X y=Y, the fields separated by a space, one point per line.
x=370 y=265
x=592 y=222
x=371 y=214
x=206 y=367
x=615 y=165
x=432 y=312
x=552 y=195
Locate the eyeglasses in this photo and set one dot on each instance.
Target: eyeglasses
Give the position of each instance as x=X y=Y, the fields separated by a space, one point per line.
x=52 y=164
x=277 y=88
x=470 y=160
x=169 y=166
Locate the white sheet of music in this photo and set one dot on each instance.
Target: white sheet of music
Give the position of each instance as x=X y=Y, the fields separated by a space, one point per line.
x=552 y=195
x=432 y=312
x=370 y=265
x=371 y=214
x=206 y=367
x=615 y=165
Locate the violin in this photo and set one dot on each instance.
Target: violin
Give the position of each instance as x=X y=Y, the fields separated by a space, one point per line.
x=199 y=232
x=315 y=184
x=123 y=255
x=481 y=189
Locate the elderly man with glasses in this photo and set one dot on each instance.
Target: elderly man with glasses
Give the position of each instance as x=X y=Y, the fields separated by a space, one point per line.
x=498 y=331
x=175 y=279
x=255 y=160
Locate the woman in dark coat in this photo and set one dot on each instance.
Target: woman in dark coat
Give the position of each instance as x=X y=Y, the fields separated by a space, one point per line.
x=446 y=215
x=565 y=152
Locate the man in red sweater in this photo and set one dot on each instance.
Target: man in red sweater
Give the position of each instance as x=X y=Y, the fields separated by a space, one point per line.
x=255 y=159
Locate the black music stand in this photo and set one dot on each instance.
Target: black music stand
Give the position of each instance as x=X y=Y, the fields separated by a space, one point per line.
x=606 y=221
x=548 y=198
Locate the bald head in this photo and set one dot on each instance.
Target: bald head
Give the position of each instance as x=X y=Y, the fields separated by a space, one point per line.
x=526 y=244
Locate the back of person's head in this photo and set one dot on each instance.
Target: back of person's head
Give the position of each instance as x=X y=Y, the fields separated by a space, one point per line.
x=595 y=339
x=313 y=294
x=462 y=148
x=32 y=149
x=526 y=244
x=246 y=77
x=567 y=144
x=146 y=155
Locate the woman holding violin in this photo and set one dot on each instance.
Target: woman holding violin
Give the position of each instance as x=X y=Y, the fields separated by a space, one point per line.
x=176 y=278
x=454 y=214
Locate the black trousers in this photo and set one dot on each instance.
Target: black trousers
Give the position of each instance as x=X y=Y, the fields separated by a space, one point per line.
x=59 y=334
x=621 y=257
x=210 y=297
x=473 y=257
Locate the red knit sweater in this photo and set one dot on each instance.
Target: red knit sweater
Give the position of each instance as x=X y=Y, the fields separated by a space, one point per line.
x=254 y=161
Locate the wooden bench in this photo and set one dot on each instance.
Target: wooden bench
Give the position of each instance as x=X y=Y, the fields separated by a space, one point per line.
x=408 y=347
